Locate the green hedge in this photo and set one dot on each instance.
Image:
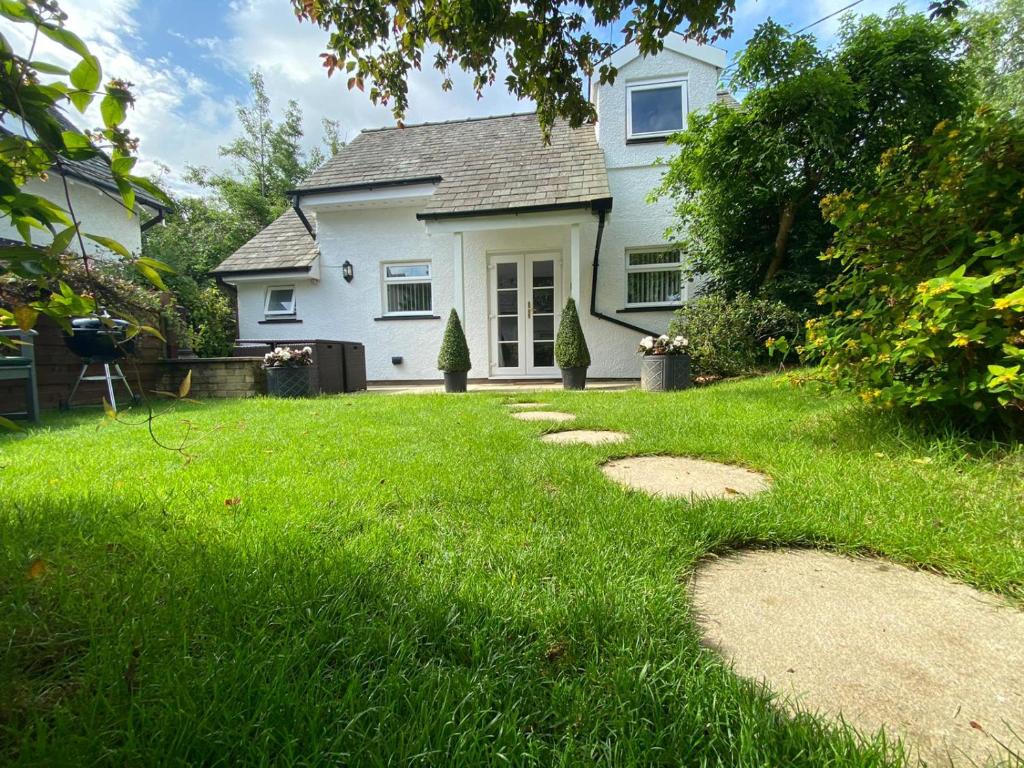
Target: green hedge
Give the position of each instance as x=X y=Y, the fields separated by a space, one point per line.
x=570 y=345
x=454 y=355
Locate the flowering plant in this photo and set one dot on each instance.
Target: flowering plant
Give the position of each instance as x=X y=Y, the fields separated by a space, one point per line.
x=663 y=345
x=286 y=357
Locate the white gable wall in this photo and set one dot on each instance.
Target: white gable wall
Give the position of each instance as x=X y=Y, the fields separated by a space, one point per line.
x=100 y=213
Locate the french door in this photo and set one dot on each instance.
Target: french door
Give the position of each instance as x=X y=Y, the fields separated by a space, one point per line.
x=525 y=298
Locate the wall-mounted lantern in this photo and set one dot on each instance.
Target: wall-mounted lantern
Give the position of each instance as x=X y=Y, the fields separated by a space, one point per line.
x=347 y=272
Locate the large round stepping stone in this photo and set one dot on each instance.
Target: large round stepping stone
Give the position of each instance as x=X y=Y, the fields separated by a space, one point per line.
x=929 y=659
x=543 y=416
x=679 y=476
x=585 y=436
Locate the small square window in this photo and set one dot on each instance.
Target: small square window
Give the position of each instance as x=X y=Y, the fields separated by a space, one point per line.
x=655 y=109
x=654 y=277
x=280 y=300
x=407 y=288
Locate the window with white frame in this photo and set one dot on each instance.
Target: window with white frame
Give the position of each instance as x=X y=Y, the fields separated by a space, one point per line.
x=407 y=288
x=280 y=301
x=655 y=109
x=654 y=277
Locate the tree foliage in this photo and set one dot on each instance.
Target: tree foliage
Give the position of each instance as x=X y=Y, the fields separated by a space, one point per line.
x=995 y=39
x=268 y=161
x=546 y=47
x=748 y=183
x=36 y=144
x=571 y=345
x=454 y=354
x=929 y=308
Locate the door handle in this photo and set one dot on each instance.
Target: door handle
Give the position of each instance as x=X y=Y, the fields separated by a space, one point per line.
x=529 y=309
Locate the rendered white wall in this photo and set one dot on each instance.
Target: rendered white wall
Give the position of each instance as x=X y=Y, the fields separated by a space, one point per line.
x=96 y=210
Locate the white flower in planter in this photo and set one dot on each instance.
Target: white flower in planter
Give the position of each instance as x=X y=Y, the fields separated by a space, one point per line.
x=647 y=342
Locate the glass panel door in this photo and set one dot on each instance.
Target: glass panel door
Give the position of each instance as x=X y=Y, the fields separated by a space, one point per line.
x=508 y=315
x=540 y=312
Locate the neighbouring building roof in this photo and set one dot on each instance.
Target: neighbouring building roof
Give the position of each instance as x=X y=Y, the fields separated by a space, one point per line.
x=489 y=164
x=724 y=97
x=284 y=245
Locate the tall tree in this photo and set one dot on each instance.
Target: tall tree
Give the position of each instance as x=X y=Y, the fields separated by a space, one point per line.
x=748 y=183
x=268 y=160
x=995 y=39
x=548 y=48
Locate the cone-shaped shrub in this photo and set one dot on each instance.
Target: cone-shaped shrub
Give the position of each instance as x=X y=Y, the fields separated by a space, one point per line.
x=570 y=346
x=454 y=356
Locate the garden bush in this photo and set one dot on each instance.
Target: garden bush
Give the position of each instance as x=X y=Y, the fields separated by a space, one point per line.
x=929 y=308
x=454 y=355
x=727 y=335
x=570 y=344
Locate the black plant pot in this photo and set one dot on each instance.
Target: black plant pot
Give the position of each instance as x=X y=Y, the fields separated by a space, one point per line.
x=574 y=378
x=455 y=381
x=284 y=381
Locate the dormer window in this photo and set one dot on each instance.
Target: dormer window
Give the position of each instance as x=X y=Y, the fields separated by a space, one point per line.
x=655 y=109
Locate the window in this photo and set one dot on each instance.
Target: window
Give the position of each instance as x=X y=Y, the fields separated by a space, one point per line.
x=655 y=109
x=407 y=289
x=280 y=300
x=654 y=277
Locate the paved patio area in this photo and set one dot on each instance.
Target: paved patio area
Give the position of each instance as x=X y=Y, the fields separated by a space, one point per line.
x=505 y=386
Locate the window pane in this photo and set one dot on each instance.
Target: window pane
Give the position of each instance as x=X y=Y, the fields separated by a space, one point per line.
x=543 y=273
x=508 y=329
x=639 y=259
x=657 y=110
x=280 y=300
x=508 y=302
x=543 y=300
x=654 y=287
x=409 y=297
x=544 y=353
x=508 y=275
x=544 y=328
x=508 y=355
x=408 y=270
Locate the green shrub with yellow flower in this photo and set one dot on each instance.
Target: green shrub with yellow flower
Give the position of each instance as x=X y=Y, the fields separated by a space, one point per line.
x=928 y=311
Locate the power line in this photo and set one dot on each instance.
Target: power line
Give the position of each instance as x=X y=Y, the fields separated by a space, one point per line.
x=826 y=18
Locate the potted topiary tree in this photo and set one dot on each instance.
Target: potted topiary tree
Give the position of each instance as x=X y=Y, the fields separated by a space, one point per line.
x=571 y=351
x=454 y=356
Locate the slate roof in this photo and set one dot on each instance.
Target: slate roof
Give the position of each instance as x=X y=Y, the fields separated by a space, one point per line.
x=484 y=164
x=724 y=97
x=96 y=171
x=283 y=245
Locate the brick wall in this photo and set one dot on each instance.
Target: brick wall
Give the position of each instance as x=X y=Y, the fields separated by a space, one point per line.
x=216 y=376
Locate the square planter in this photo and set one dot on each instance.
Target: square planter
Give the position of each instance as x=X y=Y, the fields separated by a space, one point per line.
x=664 y=373
x=290 y=382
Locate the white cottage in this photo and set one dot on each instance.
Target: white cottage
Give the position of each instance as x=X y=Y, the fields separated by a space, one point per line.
x=406 y=223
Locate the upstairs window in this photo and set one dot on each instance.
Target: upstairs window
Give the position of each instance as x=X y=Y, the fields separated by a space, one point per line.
x=407 y=288
x=654 y=277
x=654 y=110
x=280 y=301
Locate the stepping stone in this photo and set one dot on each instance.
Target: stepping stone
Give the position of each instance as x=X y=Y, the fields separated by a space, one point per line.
x=931 y=660
x=543 y=416
x=526 y=405
x=585 y=436
x=682 y=477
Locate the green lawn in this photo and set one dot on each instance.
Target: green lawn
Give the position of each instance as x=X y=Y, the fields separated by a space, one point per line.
x=417 y=580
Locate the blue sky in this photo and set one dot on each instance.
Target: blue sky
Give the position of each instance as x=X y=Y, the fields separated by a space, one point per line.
x=189 y=60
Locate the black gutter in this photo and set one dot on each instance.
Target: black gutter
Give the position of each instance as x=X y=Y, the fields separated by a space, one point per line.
x=154 y=221
x=228 y=274
x=593 y=285
x=302 y=216
x=364 y=186
x=600 y=205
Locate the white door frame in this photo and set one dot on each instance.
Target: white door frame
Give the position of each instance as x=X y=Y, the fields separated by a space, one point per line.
x=524 y=262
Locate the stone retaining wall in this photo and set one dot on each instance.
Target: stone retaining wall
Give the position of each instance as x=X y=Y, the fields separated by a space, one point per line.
x=217 y=376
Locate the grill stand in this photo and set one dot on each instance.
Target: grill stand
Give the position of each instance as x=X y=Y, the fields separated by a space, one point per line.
x=107 y=376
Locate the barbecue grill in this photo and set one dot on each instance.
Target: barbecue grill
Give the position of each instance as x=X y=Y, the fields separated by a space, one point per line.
x=102 y=341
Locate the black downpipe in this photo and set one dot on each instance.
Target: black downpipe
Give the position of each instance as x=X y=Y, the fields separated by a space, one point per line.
x=593 y=285
x=302 y=216
x=153 y=221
